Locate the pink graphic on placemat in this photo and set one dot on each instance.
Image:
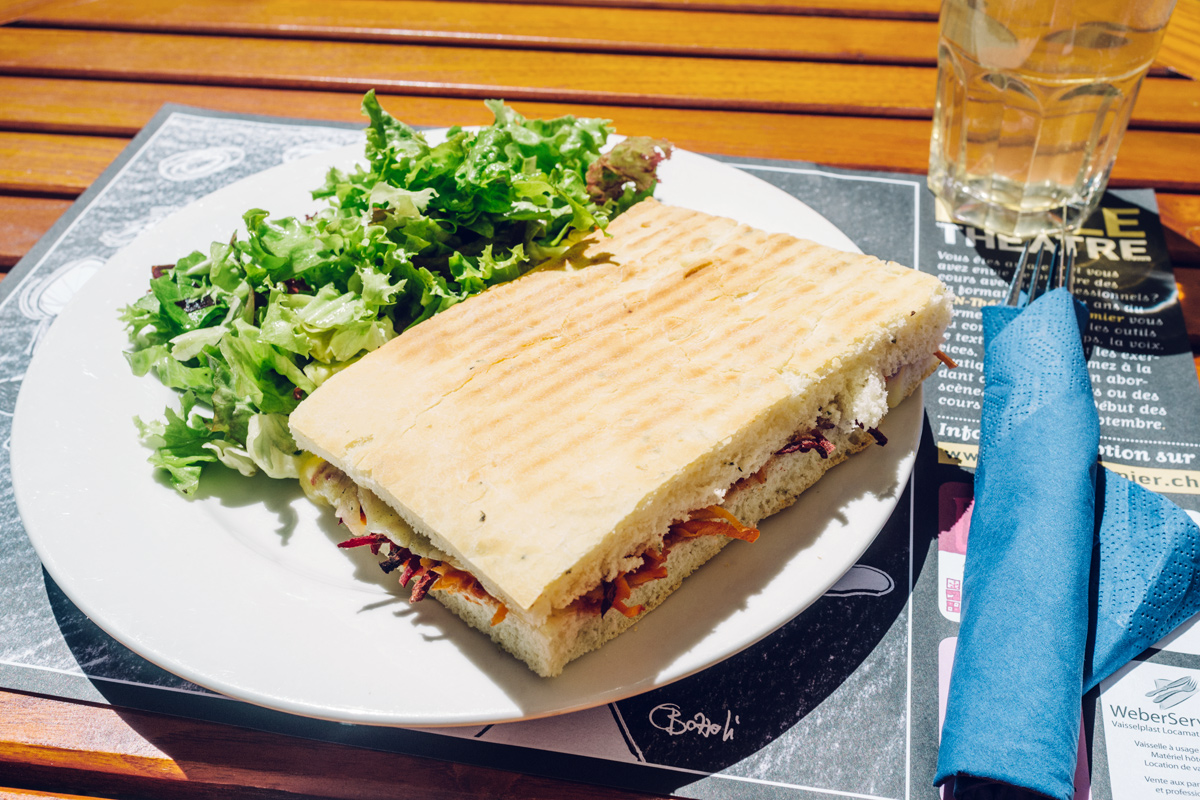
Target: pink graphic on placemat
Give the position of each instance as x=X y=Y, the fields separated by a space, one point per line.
x=1083 y=778
x=955 y=502
x=953 y=595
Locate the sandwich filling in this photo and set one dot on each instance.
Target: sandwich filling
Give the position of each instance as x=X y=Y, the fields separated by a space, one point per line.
x=423 y=568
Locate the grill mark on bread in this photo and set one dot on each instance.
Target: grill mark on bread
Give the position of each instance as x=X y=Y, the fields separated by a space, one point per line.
x=597 y=314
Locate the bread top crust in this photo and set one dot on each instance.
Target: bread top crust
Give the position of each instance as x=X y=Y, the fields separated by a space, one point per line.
x=550 y=428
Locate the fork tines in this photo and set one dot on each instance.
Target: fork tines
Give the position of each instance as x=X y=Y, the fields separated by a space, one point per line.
x=1060 y=263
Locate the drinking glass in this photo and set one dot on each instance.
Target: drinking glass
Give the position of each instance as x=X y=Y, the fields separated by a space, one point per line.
x=1033 y=98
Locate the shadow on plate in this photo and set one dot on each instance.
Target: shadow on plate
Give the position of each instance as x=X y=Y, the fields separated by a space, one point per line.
x=830 y=683
x=633 y=661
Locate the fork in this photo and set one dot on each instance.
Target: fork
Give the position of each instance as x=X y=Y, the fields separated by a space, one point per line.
x=1173 y=693
x=1061 y=263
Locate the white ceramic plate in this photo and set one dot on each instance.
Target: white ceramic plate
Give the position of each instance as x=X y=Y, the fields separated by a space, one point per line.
x=242 y=590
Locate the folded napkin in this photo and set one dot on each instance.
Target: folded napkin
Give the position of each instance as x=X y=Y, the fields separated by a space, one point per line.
x=1071 y=570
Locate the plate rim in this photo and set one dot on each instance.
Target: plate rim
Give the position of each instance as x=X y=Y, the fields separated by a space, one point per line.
x=26 y=502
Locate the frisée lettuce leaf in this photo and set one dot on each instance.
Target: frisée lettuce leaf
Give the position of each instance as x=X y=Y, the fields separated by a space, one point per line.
x=248 y=329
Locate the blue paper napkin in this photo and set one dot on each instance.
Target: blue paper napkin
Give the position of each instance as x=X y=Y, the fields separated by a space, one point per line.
x=1071 y=570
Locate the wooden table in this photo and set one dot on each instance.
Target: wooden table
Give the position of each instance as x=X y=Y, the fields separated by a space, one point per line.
x=841 y=82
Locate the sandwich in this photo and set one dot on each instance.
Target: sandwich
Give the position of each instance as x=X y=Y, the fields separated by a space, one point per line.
x=551 y=458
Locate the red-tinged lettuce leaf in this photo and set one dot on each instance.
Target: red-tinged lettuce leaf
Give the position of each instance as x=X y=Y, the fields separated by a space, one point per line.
x=628 y=171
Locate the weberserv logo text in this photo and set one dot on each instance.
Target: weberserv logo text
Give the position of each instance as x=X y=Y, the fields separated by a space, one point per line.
x=1166 y=694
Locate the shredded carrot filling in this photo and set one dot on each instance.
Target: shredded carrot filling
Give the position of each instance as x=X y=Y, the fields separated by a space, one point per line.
x=427 y=574
x=654 y=566
x=430 y=574
x=714 y=520
x=621 y=595
x=945 y=359
x=456 y=580
x=711 y=520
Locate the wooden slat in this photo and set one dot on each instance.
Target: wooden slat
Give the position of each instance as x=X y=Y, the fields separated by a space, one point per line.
x=121 y=109
x=23 y=220
x=471 y=72
x=106 y=107
x=14 y=9
x=67 y=164
x=7 y=793
x=1188 y=283
x=673 y=81
x=37 y=733
x=53 y=164
x=1151 y=159
x=891 y=9
x=550 y=27
x=558 y=27
x=64 y=164
x=1181 y=213
x=1181 y=44
x=1161 y=159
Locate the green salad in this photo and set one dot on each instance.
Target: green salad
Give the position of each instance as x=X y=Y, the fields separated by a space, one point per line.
x=246 y=330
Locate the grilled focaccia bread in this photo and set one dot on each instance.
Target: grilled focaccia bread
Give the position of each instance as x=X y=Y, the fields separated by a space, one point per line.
x=552 y=458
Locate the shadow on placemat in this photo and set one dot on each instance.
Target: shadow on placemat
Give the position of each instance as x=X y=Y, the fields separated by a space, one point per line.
x=790 y=678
